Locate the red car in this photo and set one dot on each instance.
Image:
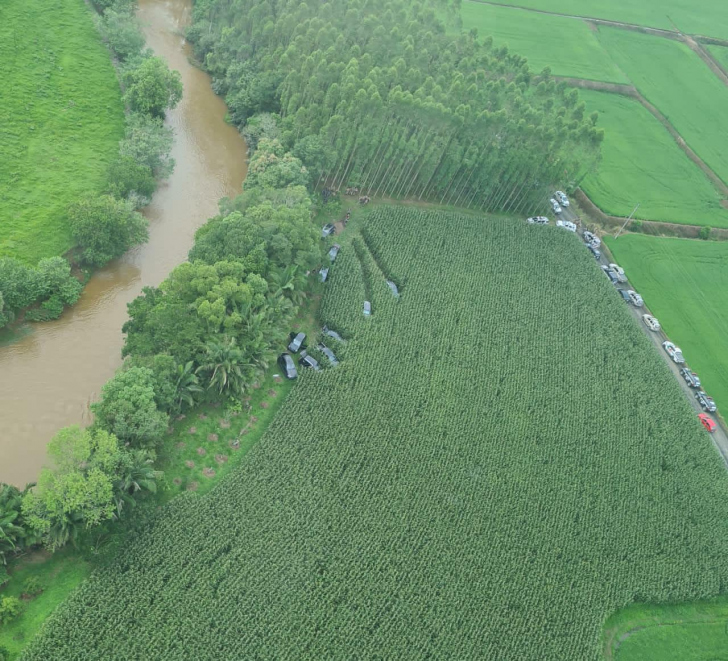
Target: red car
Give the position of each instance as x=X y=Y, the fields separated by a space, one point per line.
x=707 y=421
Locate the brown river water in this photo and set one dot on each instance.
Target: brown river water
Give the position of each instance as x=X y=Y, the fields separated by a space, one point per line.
x=53 y=371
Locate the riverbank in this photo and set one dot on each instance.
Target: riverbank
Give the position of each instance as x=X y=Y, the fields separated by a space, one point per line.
x=52 y=371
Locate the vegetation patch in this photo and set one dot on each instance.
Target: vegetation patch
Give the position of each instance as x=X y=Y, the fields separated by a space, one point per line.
x=642 y=164
x=441 y=492
x=568 y=47
x=61 y=119
x=685 y=284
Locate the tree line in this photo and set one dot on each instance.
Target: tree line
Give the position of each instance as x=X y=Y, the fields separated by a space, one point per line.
x=105 y=226
x=377 y=95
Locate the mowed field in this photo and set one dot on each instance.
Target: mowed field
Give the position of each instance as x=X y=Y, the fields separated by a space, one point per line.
x=673 y=78
x=706 y=17
x=642 y=164
x=61 y=118
x=500 y=462
x=685 y=284
x=569 y=47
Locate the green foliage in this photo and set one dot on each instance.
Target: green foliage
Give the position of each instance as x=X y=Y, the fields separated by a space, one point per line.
x=151 y=88
x=10 y=608
x=148 y=142
x=15 y=534
x=437 y=494
x=105 y=228
x=704 y=233
x=19 y=284
x=128 y=408
x=4 y=654
x=380 y=96
x=33 y=586
x=129 y=177
x=121 y=31
x=62 y=118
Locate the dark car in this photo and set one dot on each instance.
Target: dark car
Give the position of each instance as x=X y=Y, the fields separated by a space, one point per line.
x=706 y=403
x=595 y=251
x=691 y=378
x=308 y=361
x=328 y=353
x=296 y=342
x=624 y=294
x=334 y=251
x=287 y=365
x=327 y=230
x=610 y=274
x=327 y=331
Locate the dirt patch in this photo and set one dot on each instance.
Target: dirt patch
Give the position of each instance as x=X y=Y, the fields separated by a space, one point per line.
x=724 y=204
x=202 y=416
x=253 y=419
x=192 y=430
x=272 y=393
x=170 y=431
x=193 y=486
x=208 y=472
x=277 y=379
x=256 y=385
x=235 y=444
x=212 y=437
x=221 y=458
x=264 y=405
x=181 y=416
x=244 y=431
x=181 y=445
x=177 y=481
x=201 y=451
x=224 y=424
x=189 y=463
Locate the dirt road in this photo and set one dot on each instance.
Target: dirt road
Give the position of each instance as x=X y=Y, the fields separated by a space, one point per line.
x=720 y=435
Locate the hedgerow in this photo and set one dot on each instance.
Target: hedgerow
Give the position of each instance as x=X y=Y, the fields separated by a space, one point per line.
x=500 y=462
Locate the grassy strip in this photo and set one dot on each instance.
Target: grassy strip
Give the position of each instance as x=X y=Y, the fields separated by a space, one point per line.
x=569 y=47
x=685 y=284
x=676 y=632
x=673 y=78
x=61 y=118
x=641 y=163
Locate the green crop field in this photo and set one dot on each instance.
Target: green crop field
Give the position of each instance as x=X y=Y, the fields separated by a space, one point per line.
x=569 y=47
x=642 y=164
x=500 y=463
x=685 y=284
x=677 y=632
x=707 y=17
x=673 y=78
x=61 y=118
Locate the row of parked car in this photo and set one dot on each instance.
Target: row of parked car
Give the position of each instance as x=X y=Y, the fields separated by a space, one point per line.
x=305 y=359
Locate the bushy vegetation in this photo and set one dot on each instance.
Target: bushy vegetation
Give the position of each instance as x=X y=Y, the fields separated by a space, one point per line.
x=685 y=284
x=642 y=163
x=378 y=96
x=441 y=493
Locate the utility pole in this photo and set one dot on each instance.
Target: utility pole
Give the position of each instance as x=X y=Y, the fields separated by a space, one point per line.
x=621 y=229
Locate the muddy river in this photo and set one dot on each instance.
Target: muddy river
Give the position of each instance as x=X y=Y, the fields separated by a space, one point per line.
x=50 y=373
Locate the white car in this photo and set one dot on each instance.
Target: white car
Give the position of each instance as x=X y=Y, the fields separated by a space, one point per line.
x=561 y=197
x=635 y=298
x=618 y=272
x=566 y=224
x=651 y=322
x=538 y=220
x=674 y=352
x=592 y=239
x=555 y=206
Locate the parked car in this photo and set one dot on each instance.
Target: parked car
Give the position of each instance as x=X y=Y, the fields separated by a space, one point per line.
x=635 y=298
x=594 y=251
x=566 y=224
x=538 y=220
x=612 y=276
x=617 y=269
x=328 y=353
x=327 y=331
x=674 y=352
x=296 y=342
x=367 y=308
x=707 y=422
x=334 y=251
x=651 y=322
x=394 y=288
x=706 y=403
x=555 y=206
x=287 y=365
x=691 y=378
x=561 y=197
x=323 y=274
x=592 y=239
x=327 y=230
x=308 y=361
x=624 y=294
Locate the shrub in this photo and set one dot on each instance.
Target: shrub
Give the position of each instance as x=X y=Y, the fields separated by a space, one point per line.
x=704 y=233
x=10 y=608
x=152 y=88
x=122 y=33
x=128 y=176
x=148 y=142
x=33 y=586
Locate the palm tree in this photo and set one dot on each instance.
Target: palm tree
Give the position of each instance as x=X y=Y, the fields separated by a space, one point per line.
x=288 y=282
x=136 y=474
x=14 y=535
x=226 y=368
x=187 y=385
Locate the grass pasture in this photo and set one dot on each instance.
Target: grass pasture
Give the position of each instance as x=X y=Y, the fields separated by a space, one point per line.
x=642 y=163
x=706 y=17
x=685 y=284
x=570 y=47
x=61 y=118
x=439 y=494
x=674 y=79
x=676 y=632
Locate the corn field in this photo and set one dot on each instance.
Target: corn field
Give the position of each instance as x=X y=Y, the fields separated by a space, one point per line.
x=500 y=462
